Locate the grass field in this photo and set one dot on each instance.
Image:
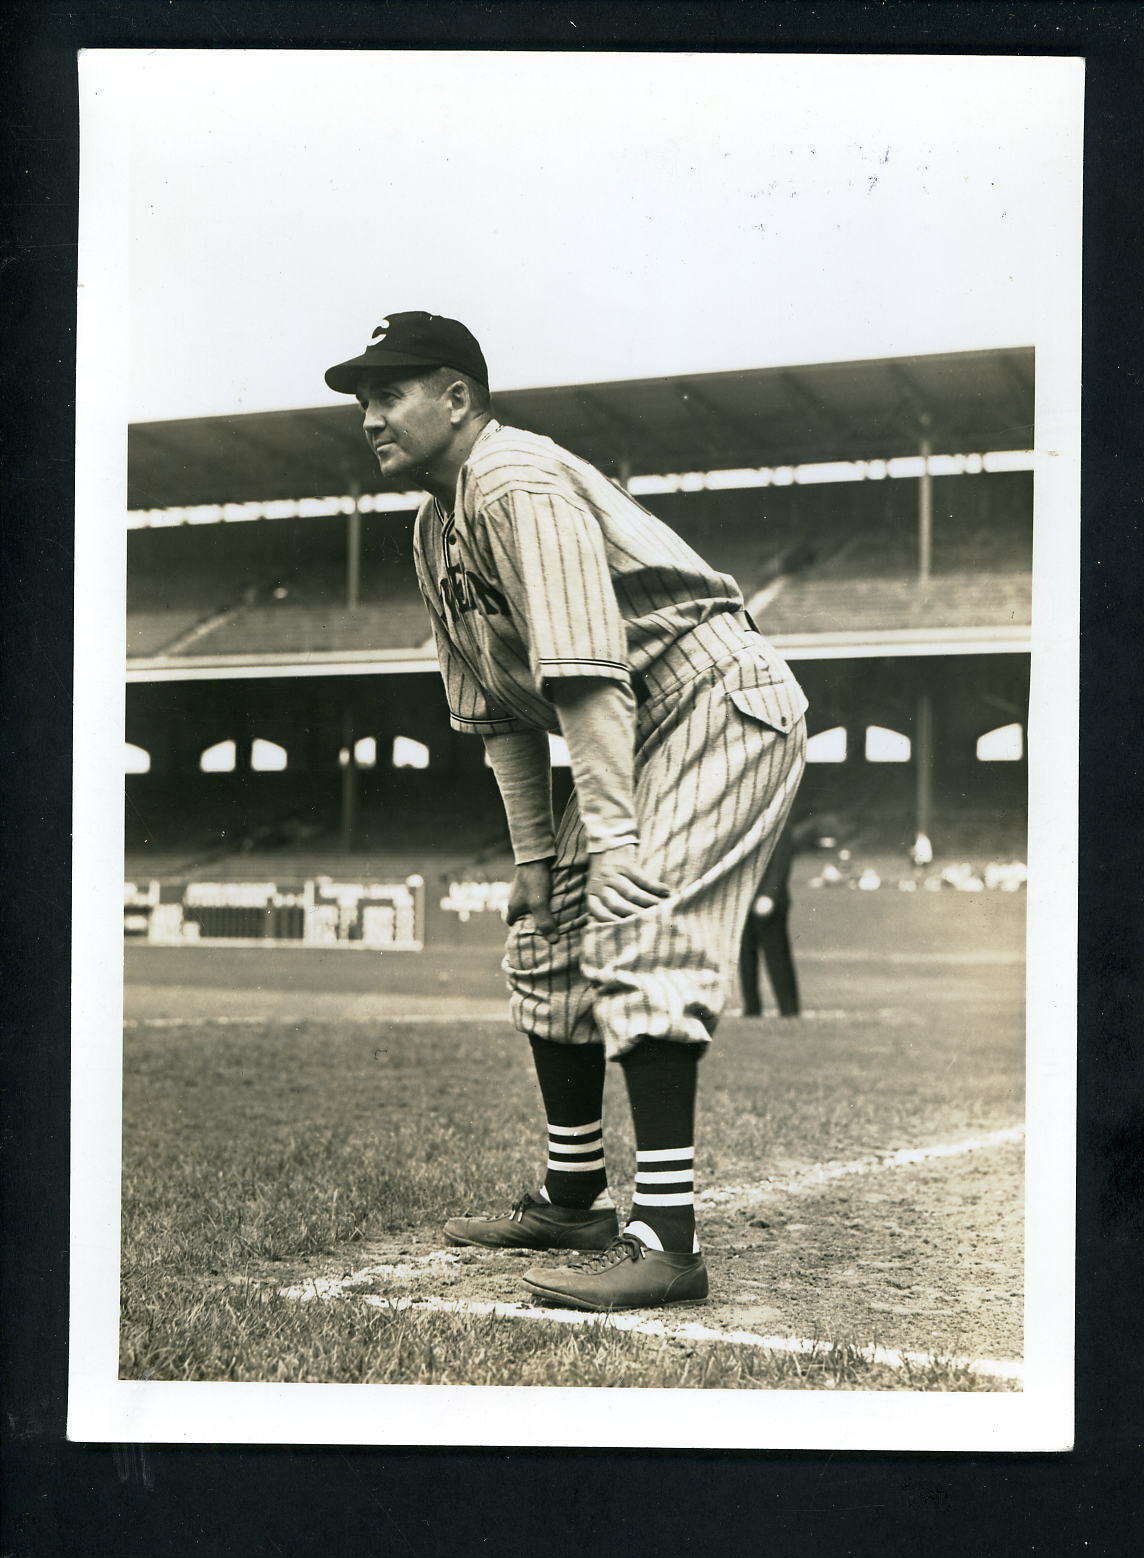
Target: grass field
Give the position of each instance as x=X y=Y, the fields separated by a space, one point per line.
x=297 y=1126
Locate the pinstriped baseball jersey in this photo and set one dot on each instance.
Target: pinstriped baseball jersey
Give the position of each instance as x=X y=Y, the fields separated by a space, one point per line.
x=547 y=569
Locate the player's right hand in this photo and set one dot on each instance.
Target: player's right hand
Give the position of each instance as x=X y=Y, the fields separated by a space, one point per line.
x=531 y=894
x=619 y=887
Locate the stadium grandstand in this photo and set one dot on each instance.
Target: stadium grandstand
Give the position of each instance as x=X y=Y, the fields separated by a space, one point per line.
x=285 y=724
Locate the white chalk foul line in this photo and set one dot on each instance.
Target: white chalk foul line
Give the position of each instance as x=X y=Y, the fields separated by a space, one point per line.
x=823 y=1173
x=1009 y=1369
x=995 y=1368
x=190 y=1022
x=400 y=1271
x=921 y=959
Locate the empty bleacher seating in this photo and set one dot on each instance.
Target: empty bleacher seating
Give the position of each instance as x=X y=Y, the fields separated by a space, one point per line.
x=150 y=632
x=225 y=821
x=283 y=629
x=328 y=859
x=275 y=586
x=812 y=605
x=847 y=555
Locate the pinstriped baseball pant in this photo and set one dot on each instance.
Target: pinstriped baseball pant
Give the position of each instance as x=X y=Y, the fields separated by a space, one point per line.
x=716 y=771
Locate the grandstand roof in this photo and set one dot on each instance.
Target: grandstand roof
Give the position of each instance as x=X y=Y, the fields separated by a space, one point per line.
x=880 y=409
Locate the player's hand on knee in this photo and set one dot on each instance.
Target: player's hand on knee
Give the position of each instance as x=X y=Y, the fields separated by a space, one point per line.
x=531 y=894
x=618 y=886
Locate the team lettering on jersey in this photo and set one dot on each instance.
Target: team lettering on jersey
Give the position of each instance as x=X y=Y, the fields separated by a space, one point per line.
x=462 y=590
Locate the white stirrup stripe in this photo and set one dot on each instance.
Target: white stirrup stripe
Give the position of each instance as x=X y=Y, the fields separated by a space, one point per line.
x=578 y=1168
x=664 y=1177
x=666 y=1155
x=579 y=1146
x=686 y=1199
x=575 y=1130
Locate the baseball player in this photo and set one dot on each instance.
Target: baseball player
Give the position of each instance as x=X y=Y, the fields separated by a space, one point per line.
x=560 y=605
x=767 y=931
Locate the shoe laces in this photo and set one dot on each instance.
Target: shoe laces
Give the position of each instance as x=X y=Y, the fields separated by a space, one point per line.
x=516 y=1213
x=624 y=1246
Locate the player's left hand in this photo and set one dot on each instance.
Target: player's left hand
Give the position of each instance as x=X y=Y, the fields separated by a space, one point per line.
x=618 y=886
x=531 y=894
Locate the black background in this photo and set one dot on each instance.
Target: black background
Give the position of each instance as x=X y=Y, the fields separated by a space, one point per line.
x=62 y=1498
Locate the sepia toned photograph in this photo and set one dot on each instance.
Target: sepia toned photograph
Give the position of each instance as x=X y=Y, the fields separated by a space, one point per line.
x=576 y=682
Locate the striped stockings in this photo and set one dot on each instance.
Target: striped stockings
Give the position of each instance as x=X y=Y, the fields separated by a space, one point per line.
x=571 y=1078
x=661 y=1075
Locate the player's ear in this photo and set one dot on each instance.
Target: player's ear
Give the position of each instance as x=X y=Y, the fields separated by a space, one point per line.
x=460 y=400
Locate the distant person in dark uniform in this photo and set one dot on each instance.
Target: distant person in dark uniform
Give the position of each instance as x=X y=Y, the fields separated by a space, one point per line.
x=766 y=932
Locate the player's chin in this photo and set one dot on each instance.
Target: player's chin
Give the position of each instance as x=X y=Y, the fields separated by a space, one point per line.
x=391 y=461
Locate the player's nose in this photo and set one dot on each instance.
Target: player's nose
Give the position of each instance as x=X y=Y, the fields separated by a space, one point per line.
x=372 y=417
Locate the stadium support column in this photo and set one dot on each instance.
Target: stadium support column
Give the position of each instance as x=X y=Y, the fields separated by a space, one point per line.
x=353 y=550
x=349 y=780
x=923 y=765
x=923 y=744
x=925 y=514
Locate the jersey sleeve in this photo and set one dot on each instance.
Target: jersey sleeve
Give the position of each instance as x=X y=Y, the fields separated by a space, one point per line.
x=471 y=711
x=550 y=553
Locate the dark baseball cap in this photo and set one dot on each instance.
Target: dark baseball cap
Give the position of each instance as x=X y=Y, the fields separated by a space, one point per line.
x=412 y=340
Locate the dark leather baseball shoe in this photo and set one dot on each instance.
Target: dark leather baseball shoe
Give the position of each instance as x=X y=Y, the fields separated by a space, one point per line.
x=537 y=1225
x=627 y=1275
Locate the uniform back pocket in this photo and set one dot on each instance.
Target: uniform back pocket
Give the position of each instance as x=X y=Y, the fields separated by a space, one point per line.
x=774 y=706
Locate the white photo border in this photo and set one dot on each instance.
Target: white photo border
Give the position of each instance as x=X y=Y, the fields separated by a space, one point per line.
x=104 y=1408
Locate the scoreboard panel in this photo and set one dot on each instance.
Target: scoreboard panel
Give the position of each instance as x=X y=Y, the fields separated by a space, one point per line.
x=317 y=912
